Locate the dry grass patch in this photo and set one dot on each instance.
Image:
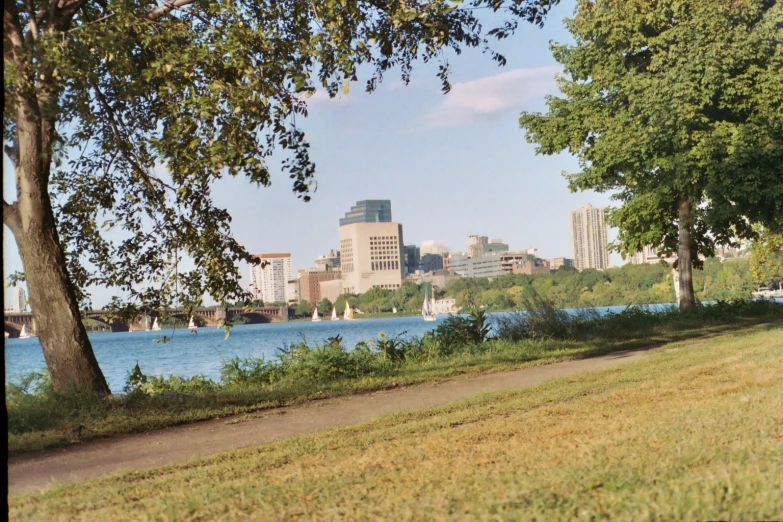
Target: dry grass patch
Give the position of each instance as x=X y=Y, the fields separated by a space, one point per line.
x=692 y=434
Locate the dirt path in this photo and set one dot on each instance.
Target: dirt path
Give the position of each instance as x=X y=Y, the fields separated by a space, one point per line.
x=178 y=444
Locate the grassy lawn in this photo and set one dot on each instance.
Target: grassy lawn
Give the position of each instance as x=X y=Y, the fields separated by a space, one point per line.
x=694 y=431
x=38 y=422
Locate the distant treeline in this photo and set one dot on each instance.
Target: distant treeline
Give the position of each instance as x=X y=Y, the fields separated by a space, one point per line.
x=629 y=284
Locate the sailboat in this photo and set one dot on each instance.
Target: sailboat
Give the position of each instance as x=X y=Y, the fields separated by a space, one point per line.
x=192 y=325
x=394 y=309
x=155 y=325
x=315 y=316
x=23 y=334
x=427 y=309
x=348 y=315
x=334 y=314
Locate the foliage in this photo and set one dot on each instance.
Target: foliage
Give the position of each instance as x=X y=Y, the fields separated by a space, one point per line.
x=37 y=414
x=766 y=258
x=303 y=308
x=324 y=306
x=659 y=116
x=705 y=415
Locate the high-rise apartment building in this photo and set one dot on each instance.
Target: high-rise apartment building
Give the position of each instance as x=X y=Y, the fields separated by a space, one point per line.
x=371 y=251
x=20 y=300
x=588 y=238
x=269 y=279
x=368 y=211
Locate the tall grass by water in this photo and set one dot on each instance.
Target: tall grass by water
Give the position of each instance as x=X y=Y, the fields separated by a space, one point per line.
x=38 y=417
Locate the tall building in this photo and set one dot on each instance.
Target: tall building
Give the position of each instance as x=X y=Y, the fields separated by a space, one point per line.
x=269 y=282
x=20 y=300
x=371 y=252
x=588 y=238
x=412 y=258
x=431 y=262
x=368 y=211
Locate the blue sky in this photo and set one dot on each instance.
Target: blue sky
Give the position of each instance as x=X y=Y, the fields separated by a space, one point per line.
x=452 y=165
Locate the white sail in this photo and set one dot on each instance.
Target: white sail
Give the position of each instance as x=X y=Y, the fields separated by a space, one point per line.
x=394 y=309
x=334 y=314
x=315 y=315
x=23 y=334
x=348 y=315
x=155 y=325
x=428 y=308
x=192 y=324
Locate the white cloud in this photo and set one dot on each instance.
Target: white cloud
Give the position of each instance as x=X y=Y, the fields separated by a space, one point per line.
x=489 y=97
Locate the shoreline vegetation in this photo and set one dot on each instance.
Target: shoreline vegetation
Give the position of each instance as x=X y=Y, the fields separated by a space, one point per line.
x=566 y=288
x=39 y=418
x=626 y=443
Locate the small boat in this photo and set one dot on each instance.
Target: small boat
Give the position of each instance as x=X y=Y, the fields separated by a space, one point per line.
x=334 y=314
x=23 y=334
x=155 y=325
x=348 y=315
x=192 y=325
x=394 y=310
x=428 y=308
x=315 y=316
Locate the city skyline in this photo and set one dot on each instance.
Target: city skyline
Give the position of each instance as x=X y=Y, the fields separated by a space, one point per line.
x=452 y=164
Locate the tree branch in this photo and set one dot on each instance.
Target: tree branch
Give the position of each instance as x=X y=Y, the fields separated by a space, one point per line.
x=166 y=8
x=128 y=157
x=12 y=29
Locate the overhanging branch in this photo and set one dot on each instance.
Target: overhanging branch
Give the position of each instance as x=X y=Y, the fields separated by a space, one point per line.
x=167 y=8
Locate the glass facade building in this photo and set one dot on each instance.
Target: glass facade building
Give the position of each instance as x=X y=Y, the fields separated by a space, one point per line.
x=368 y=211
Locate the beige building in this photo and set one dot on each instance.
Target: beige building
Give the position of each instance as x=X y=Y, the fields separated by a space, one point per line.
x=331 y=290
x=589 y=238
x=268 y=280
x=556 y=263
x=371 y=256
x=649 y=256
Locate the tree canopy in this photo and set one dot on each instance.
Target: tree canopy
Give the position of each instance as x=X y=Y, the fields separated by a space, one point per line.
x=121 y=114
x=674 y=107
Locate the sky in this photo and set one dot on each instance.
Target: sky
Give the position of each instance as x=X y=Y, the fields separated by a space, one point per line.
x=452 y=165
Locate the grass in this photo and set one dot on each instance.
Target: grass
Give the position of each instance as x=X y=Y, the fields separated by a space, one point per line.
x=694 y=432
x=38 y=421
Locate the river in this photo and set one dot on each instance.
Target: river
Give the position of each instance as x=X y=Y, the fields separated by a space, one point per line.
x=187 y=354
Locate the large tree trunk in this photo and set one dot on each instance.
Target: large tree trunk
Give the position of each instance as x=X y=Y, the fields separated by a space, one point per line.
x=685 y=261
x=67 y=349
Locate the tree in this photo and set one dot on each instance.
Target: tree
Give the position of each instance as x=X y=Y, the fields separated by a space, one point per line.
x=675 y=106
x=766 y=258
x=120 y=115
x=302 y=308
x=324 y=306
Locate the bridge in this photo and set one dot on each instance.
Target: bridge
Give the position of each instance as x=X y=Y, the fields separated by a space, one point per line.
x=205 y=316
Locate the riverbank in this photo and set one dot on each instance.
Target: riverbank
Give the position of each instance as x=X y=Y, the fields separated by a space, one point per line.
x=40 y=419
x=690 y=431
